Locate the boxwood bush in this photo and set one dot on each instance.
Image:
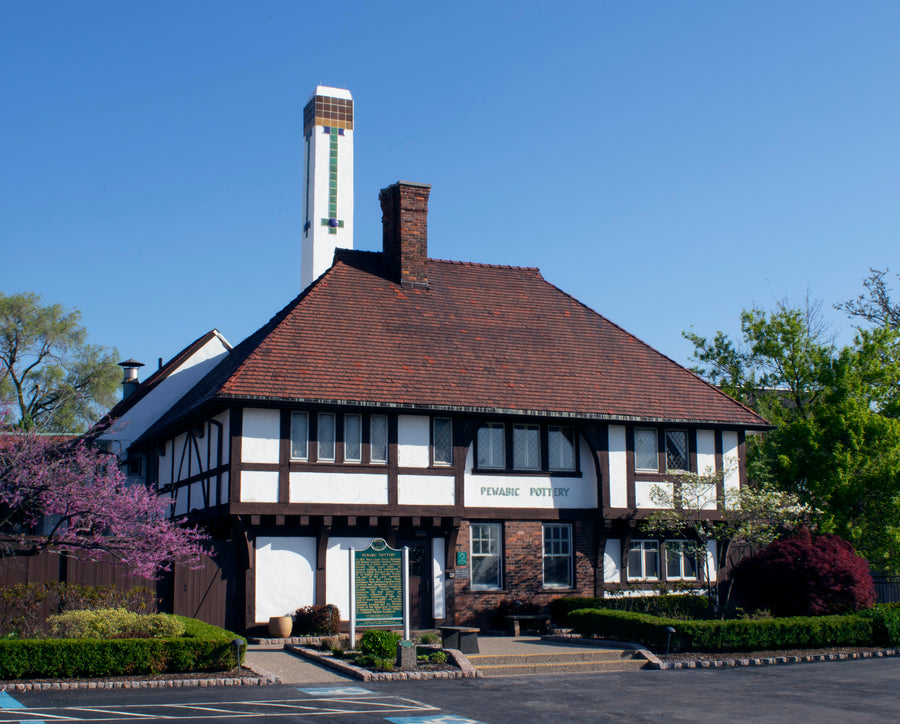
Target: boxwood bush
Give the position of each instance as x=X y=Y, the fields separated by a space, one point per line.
x=113 y=623
x=731 y=635
x=202 y=647
x=672 y=605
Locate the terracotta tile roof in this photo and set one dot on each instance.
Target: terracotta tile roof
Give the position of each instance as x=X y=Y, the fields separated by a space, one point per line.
x=480 y=338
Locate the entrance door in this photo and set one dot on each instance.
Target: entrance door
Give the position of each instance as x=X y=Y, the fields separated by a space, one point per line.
x=420 y=603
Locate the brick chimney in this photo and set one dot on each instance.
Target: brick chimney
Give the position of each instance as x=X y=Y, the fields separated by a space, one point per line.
x=404 y=216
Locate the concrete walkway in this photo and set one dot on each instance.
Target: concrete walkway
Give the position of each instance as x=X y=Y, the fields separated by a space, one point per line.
x=290 y=669
x=271 y=659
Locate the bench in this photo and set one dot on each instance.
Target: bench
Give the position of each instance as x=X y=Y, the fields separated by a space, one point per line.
x=540 y=623
x=463 y=638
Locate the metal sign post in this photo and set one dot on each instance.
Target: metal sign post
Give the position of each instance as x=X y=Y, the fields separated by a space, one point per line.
x=405 y=584
x=352 y=599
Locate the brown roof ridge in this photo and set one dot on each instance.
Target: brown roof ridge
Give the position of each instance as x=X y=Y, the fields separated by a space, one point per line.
x=661 y=354
x=341 y=252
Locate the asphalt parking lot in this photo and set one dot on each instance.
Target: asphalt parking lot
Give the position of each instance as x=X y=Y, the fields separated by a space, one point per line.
x=846 y=691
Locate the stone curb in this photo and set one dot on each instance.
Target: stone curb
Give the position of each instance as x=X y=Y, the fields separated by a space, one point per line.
x=466 y=669
x=141 y=684
x=767 y=661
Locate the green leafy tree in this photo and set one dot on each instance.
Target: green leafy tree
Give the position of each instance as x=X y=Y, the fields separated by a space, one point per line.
x=741 y=521
x=836 y=442
x=53 y=379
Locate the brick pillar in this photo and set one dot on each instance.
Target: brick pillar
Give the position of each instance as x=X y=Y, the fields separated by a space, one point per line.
x=404 y=217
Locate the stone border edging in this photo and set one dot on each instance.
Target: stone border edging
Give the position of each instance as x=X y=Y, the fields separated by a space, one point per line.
x=263 y=679
x=655 y=663
x=466 y=669
x=769 y=660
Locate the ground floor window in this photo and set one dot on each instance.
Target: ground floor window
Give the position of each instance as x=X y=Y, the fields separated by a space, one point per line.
x=557 y=556
x=681 y=561
x=486 y=568
x=643 y=560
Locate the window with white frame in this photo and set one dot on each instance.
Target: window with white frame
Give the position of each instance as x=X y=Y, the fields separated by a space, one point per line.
x=643 y=560
x=325 y=435
x=526 y=447
x=677 y=450
x=557 y=555
x=352 y=438
x=443 y=441
x=560 y=448
x=485 y=552
x=681 y=562
x=299 y=435
x=646 y=455
x=491 y=445
x=378 y=439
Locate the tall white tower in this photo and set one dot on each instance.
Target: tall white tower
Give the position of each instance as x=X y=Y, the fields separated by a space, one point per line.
x=327 y=180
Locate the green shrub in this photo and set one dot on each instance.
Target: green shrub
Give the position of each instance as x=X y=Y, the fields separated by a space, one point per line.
x=429 y=638
x=885 y=623
x=733 y=635
x=203 y=647
x=438 y=657
x=672 y=605
x=317 y=620
x=25 y=606
x=113 y=624
x=379 y=643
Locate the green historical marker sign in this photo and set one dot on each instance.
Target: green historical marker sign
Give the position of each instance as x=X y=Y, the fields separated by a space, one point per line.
x=378 y=580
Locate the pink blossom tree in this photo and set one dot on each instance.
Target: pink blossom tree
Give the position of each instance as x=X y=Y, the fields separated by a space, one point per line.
x=66 y=497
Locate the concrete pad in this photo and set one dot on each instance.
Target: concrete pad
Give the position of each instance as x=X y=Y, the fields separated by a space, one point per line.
x=292 y=669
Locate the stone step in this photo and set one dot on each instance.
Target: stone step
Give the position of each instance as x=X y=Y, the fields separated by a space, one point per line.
x=552 y=668
x=569 y=656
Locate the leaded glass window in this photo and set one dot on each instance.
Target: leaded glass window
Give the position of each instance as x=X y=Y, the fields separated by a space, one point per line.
x=443 y=441
x=680 y=561
x=299 y=435
x=646 y=456
x=352 y=438
x=677 y=450
x=561 y=448
x=378 y=439
x=491 y=446
x=325 y=435
x=526 y=447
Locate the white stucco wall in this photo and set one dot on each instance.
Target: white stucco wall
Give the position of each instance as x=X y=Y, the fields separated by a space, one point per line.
x=259 y=486
x=730 y=461
x=612 y=557
x=426 y=489
x=325 y=487
x=136 y=421
x=164 y=462
x=706 y=452
x=261 y=436
x=438 y=552
x=642 y=493
x=618 y=467
x=285 y=575
x=413 y=440
x=711 y=560
x=532 y=491
x=337 y=571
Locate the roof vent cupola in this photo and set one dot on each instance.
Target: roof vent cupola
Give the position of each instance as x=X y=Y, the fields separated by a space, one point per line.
x=130 y=380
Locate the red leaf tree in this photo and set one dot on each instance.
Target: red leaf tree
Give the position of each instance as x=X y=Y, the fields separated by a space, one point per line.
x=805 y=575
x=65 y=496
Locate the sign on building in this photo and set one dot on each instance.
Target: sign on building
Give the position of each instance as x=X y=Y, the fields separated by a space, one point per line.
x=379 y=588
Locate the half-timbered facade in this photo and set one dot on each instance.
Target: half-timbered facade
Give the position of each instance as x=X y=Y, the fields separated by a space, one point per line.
x=505 y=432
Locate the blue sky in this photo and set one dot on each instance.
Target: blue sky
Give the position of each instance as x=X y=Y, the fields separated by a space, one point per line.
x=667 y=163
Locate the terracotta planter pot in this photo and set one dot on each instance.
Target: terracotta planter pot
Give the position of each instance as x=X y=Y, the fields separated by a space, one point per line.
x=280 y=626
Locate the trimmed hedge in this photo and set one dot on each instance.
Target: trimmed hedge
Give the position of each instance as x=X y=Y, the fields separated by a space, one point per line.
x=672 y=605
x=203 y=647
x=113 y=623
x=731 y=635
x=885 y=623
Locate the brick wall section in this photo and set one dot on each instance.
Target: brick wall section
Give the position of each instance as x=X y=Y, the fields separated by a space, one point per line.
x=522 y=572
x=404 y=218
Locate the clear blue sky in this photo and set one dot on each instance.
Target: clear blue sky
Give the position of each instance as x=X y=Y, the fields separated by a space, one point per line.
x=667 y=163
